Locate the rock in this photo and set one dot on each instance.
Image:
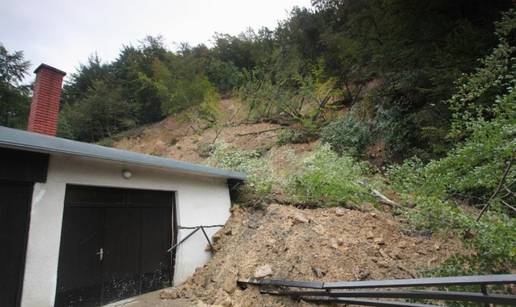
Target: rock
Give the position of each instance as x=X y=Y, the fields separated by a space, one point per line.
x=253 y=225
x=382 y=264
x=216 y=237
x=227 y=302
x=223 y=299
x=340 y=212
x=318 y=272
x=228 y=232
x=362 y=275
x=340 y=242
x=370 y=235
x=169 y=294
x=263 y=271
x=298 y=218
x=396 y=253
x=270 y=242
x=229 y=285
x=437 y=246
x=371 y=251
x=319 y=229
x=402 y=244
x=379 y=241
x=202 y=304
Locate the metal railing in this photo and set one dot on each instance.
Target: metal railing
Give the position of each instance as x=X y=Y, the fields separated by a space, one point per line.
x=360 y=292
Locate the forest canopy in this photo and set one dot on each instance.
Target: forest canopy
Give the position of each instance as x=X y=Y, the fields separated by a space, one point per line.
x=394 y=63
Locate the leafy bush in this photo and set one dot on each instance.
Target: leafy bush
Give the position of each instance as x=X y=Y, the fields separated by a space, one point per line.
x=492 y=238
x=348 y=135
x=294 y=98
x=295 y=136
x=408 y=176
x=328 y=179
x=223 y=75
x=259 y=179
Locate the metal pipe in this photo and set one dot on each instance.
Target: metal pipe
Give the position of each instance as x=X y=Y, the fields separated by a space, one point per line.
x=416 y=294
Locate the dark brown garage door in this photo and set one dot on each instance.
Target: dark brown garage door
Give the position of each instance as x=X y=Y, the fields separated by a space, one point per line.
x=113 y=244
x=15 y=202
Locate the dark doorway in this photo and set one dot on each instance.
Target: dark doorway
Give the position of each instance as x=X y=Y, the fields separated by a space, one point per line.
x=15 y=206
x=114 y=244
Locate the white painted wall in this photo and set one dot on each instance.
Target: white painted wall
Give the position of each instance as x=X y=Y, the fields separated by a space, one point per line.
x=199 y=201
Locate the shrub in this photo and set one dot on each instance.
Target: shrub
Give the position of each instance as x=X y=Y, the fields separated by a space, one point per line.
x=295 y=136
x=348 y=135
x=223 y=75
x=328 y=179
x=259 y=180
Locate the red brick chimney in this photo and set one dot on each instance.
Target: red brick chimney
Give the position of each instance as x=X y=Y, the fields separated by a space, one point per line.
x=44 y=109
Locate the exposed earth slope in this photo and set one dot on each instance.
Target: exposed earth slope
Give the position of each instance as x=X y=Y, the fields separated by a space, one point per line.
x=281 y=241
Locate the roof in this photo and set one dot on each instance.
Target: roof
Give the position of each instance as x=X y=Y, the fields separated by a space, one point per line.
x=35 y=142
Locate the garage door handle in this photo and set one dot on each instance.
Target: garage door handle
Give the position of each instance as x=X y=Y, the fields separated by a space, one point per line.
x=100 y=253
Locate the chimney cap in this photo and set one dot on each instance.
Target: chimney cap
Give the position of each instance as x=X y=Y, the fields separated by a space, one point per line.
x=43 y=65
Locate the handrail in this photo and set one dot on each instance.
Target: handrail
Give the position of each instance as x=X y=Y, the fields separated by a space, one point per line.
x=348 y=291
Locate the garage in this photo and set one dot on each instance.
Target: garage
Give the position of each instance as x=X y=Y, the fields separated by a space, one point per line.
x=86 y=225
x=14 y=223
x=114 y=244
x=19 y=172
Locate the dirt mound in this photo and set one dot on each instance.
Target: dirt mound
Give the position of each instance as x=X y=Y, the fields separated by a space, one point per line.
x=283 y=242
x=312 y=244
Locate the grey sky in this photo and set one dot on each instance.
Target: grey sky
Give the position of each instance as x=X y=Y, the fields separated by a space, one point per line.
x=64 y=33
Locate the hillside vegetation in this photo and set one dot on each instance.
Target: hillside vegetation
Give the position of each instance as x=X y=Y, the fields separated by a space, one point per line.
x=343 y=104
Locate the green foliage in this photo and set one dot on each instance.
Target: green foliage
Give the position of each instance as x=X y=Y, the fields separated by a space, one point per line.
x=327 y=179
x=478 y=95
x=477 y=166
x=293 y=99
x=188 y=93
x=102 y=112
x=14 y=100
x=472 y=170
x=294 y=136
x=150 y=83
x=259 y=179
x=225 y=76
x=348 y=135
x=397 y=58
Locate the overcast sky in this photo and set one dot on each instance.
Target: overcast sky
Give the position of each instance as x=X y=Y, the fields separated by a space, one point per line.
x=64 y=33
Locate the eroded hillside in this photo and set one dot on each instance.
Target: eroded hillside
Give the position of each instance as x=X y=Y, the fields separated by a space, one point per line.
x=368 y=242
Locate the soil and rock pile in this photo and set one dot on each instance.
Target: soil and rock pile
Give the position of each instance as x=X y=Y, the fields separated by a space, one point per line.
x=284 y=242
x=278 y=241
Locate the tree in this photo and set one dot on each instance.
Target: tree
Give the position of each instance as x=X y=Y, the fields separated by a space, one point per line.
x=102 y=112
x=14 y=99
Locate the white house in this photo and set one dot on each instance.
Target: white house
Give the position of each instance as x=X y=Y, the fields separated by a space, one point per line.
x=84 y=225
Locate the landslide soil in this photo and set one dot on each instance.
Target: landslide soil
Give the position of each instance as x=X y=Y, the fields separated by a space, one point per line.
x=326 y=244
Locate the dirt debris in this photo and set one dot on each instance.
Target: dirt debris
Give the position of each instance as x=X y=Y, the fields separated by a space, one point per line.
x=326 y=246
x=278 y=241
x=183 y=138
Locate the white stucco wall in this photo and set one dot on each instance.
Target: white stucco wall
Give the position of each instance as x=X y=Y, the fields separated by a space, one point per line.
x=199 y=201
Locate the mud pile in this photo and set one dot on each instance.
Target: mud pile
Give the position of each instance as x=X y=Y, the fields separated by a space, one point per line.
x=325 y=244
